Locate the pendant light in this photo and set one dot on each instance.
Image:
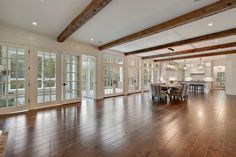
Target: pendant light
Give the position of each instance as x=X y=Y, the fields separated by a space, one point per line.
x=200 y=66
x=185 y=66
x=171 y=65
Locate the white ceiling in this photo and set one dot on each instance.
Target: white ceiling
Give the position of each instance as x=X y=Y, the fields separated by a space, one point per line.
x=118 y=19
x=222 y=21
x=123 y=17
x=211 y=51
x=52 y=16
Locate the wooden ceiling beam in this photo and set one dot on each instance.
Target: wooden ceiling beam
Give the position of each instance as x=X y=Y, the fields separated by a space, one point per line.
x=198 y=56
x=198 y=14
x=212 y=36
x=91 y=10
x=190 y=51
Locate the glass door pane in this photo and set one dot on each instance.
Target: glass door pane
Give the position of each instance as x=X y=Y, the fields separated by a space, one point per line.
x=71 y=82
x=118 y=79
x=12 y=76
x=146 y=78
x=46 y=89
x=108 y=79
x=134 y=77
x=89 y=76
x=92 y=77
x=113 y=75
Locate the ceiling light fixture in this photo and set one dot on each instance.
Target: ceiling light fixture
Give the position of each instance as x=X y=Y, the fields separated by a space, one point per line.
x=210 y=24
x=34 y=23
x=171 y=65
x=91 y=39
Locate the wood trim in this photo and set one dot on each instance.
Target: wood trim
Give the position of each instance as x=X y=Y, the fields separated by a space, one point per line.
x=207 y=48
x=212 y=36
x=198 y=56
x=91 y=10
x=198 y=14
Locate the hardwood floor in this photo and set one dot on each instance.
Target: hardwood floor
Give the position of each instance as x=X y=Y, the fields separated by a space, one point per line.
x=127 y=126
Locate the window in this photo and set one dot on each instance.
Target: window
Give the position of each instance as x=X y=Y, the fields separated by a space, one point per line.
x=119 y=60
x=221 y=78
x=108 y=59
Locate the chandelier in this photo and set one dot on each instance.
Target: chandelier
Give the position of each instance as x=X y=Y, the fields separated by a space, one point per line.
x=171 y=65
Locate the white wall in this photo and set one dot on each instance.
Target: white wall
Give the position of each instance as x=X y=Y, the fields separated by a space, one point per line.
x=31 y=40
x=34 y=41
x=230 y=75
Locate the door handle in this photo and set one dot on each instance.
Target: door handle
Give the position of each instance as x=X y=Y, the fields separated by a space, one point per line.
x=64 y=84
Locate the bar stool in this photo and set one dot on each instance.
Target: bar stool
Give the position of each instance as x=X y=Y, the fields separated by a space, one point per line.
x=200 y=88
x=191 y=87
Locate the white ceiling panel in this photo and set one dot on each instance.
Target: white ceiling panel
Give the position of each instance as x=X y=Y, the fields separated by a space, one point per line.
x=222 y=21
x=123 y=17
x=211 y=51
x=52 y=16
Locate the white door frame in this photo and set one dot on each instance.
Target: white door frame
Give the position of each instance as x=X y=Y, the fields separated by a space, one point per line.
x=63 y=76
x=34 y=75
x=7 y=110
x=95 y=78
x=114 y=66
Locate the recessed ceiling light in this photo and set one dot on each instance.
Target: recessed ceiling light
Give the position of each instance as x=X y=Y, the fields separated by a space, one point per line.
x=34 y=23
x=210 y=24
x=91 y=39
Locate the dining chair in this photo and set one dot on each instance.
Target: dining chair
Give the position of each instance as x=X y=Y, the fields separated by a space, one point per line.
x=156 y=92
x=180 y=93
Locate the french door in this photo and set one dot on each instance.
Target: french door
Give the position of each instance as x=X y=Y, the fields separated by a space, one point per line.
x=113 y=75
x=134 y=75
x=14 y=78
x=113 y=79
x=148 y=73
x=89 y=76
x=45 y=78
x=37 y=79
x=118 y=75
x=71 y=79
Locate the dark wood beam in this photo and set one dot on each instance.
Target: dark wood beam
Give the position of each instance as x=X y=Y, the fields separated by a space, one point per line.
x=198 y=14
x=207 y=48
x=91 y=10
x=212 y=36
x=198 y=56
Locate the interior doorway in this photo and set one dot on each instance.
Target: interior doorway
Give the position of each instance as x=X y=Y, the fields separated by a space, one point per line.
x=89 y=76
x=219 y=77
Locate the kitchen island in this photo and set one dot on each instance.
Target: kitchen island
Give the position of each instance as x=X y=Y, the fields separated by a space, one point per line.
x=199 y=85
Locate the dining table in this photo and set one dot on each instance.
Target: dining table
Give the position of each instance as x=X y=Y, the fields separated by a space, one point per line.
x=170 y=87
